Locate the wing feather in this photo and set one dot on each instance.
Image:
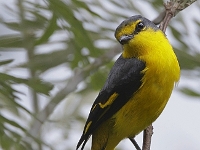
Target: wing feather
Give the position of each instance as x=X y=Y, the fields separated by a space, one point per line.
x=123 y=81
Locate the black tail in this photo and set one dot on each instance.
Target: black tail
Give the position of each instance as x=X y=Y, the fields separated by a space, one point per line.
x=83 y=140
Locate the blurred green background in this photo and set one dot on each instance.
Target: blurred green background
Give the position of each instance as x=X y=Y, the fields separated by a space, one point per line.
x=55 y=56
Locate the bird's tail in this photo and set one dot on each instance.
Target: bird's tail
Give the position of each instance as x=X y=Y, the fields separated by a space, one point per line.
x=83 y=140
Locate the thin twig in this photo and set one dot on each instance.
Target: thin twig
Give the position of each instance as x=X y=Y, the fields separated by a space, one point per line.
x=160 y=18
x=171 y=10
x=173 y=7
x=147 y=134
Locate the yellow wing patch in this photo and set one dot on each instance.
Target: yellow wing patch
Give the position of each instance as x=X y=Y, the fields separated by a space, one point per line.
x=87 y=127
x=109 y=101
x=93 y=107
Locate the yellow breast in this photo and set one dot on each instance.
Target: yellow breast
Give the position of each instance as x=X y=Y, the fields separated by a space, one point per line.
x=161 y=72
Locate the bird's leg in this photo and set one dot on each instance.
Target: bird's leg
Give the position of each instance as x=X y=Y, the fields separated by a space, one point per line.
x=135 y=143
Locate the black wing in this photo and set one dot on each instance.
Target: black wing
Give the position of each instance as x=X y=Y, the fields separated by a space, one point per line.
x=123 y=81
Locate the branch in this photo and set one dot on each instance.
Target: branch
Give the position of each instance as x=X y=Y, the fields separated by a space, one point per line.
x=172 y=8
x=147 y=134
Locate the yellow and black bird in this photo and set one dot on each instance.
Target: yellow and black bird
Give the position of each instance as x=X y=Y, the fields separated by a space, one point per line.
x=138 y=86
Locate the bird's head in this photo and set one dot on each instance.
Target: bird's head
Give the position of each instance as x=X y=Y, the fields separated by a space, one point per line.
x=136 y=34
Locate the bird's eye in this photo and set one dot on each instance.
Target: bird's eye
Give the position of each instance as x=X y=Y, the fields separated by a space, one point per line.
x=140 y=25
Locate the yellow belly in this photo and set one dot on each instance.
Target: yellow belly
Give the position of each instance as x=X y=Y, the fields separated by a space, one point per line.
x=148 y=102
x=142 y=109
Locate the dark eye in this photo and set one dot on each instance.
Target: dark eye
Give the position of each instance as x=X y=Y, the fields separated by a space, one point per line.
x=140 y=26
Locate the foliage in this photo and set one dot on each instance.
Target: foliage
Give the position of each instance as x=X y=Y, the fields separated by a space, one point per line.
x=74 y=36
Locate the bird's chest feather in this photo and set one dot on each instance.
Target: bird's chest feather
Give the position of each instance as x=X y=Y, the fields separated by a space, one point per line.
x=148 y=101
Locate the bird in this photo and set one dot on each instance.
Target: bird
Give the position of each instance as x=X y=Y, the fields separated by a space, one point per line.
x=138 y=86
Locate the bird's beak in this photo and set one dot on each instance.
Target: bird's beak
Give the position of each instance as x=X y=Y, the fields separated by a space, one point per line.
x=125 y=38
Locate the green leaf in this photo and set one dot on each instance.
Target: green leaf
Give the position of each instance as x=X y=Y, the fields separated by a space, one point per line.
x=5 y=141
x=11 y=79
x=81 y=4
x=190 y=92
x=97 y=80
x=13 y=25
x=36 y=84
x=11 y=122
x=32 y=24
x=11 y=41
x=11 y=139
x=81 y=38
x=39 y=86
x=48 y=31
x=5 y=62
x=188 y=61
x=43 y=62
x=8 y=97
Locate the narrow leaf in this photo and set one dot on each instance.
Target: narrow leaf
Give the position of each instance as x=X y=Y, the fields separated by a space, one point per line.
x=49 y=30
x=11 y=41
x=40 y=86
x=5 y=62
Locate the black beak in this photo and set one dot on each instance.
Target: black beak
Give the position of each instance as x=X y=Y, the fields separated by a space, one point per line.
x=125 y=38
